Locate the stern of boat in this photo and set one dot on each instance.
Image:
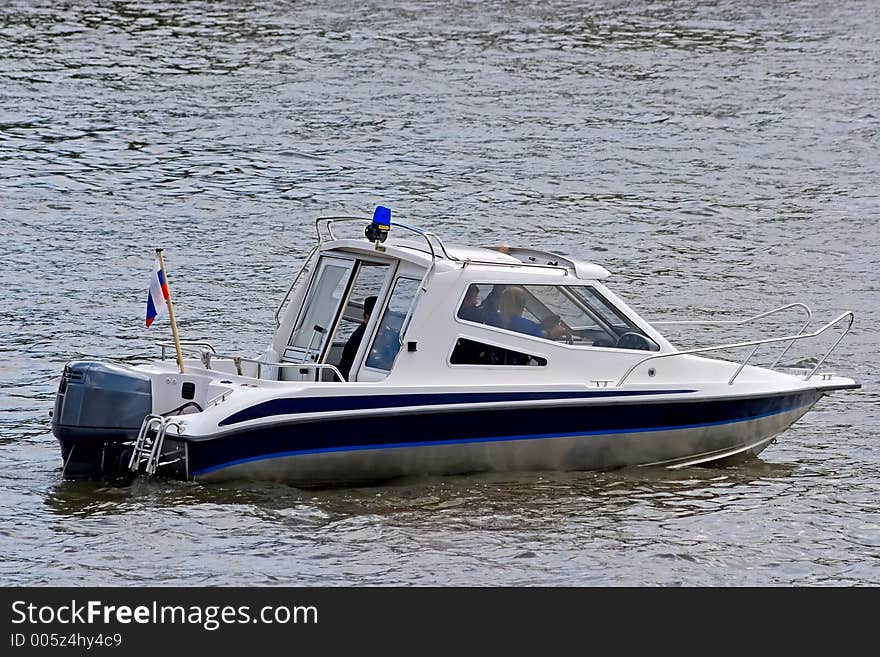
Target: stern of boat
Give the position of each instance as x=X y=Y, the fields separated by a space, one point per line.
x=102 y=420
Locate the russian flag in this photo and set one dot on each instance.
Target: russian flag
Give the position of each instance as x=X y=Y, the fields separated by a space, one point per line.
x=158 y=293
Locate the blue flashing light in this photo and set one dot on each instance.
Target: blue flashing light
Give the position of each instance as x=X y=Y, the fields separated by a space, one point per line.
x=378 y=230
x=382 y=217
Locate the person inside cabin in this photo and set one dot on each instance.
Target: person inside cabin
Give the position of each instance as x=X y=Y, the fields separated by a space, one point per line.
x=490 y=305
x=489 y=311
x=354 y=341
x=469 y=309
x=509 y=314
x=553 y=328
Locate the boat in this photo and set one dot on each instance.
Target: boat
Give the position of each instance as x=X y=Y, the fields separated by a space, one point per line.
x=396 y=354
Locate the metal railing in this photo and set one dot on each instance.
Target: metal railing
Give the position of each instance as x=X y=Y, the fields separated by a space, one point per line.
x=755 y=343
x=186 y=345
x=738 y=322
x=207 y=357
x=428 y=237
x=715 y=322
x=300 y=366
x=418 y=231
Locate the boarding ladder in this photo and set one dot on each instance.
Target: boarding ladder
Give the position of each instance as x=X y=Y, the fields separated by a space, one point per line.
x=147 y=450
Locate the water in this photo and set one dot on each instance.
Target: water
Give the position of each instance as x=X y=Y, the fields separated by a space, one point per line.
x=720 y=158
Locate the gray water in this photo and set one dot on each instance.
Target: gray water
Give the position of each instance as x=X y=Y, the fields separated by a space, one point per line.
x=720 y=158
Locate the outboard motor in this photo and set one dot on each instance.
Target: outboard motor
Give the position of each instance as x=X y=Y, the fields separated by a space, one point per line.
x=98 y=414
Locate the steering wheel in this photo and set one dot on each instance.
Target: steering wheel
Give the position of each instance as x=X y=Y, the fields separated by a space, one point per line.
x=633 y=340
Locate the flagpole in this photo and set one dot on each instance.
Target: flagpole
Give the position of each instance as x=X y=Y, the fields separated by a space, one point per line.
x=171 y=312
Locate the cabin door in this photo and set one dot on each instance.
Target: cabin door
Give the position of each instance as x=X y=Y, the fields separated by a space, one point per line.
x=319 y=311
x=386 y=331
x=369 y=284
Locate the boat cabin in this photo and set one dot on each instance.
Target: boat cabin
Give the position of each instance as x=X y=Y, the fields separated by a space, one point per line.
x=413 y=310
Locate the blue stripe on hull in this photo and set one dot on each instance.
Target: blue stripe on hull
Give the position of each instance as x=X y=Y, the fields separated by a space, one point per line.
x=431 y=428
x=295 y=405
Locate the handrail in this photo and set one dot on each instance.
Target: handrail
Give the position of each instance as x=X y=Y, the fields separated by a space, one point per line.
x=185 y=344
x=331 y=218
x=734 y=322
x=836 y=342
x=428 y=237
x=418 y=231
x=313 y=366
x=755 y=343
x=238 y=360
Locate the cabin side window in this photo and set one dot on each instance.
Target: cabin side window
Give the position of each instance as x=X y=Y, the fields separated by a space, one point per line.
x=573 y=314
x=386 y=344
x=472 y=352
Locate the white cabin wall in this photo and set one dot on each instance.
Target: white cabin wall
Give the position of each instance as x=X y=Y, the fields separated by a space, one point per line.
x=435 y=328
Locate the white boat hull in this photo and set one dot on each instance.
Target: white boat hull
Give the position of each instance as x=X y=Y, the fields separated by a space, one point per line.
x=664 y=448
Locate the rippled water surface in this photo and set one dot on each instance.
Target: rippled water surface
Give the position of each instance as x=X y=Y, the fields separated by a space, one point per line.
x=719 y=157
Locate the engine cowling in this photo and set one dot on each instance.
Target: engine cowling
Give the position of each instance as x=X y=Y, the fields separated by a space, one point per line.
x=98 y=411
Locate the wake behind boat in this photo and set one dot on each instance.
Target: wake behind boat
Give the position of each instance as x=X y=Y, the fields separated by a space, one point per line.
x=394 y=357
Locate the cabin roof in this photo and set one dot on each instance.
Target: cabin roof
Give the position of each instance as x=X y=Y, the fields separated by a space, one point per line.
x=459 y=255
